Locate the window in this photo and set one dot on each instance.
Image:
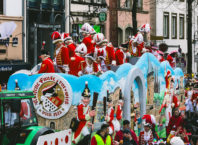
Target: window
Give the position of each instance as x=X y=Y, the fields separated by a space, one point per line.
x=127 y=4
x=181 y=26
x=166 y=25
x=1 y=6
x=128 y=32
x=139 y=4
x=174 y=26
x=181 y=0
x=120 y=36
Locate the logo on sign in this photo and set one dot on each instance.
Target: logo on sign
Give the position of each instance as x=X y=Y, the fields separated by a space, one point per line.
x=53 y=96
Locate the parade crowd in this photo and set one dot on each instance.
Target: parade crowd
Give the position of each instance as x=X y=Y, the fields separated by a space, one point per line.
x=95 y=55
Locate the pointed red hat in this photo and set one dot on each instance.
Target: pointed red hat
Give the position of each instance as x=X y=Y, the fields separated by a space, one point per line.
x=149 y=119
x=56 y=37
x=65 y=37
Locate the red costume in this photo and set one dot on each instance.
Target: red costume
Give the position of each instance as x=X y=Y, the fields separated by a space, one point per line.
x=110 y=58
x=110 y=117
x=61 y=57
x=120 y=57
x=175 y=102
x=71 y=49
x=89 y=44
x=140 y=43
x=171 y=61
x=119 y=112
x=83 y=116
x=174 y=122
x=47 y=66
x=75 y=64
x=146 y=137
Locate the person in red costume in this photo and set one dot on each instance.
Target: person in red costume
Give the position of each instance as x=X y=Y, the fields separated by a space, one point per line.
x=69 y=44
x=152 y=121
x=84 y=116
x=61 y=54
x=118 y=113
x=170 y=59
x=77 y=61
x=89 y=66
x=110 y=59
x=176 y=121
x=47 y=65
x=110 y=115
x=146 y=136
x=87 y=39
x=120 y=55
x=139 y=41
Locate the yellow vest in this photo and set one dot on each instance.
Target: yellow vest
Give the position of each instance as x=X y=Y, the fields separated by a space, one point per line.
x=100 y=141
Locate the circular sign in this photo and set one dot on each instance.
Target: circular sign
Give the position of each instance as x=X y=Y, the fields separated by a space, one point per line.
x=53 y=96
x=102 y=16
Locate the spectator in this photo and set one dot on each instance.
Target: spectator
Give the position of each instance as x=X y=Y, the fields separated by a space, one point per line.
x=102 y=136
x=175 y=122
x=146 y=136
x=119 y=134
x=127 y=138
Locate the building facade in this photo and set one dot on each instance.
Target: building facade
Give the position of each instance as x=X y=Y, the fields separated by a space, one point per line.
x=123 y=11
x=86 y=11
x=12 y=38
x=170 y=21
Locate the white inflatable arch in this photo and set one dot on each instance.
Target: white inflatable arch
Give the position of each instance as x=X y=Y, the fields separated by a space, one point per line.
x=134 y=74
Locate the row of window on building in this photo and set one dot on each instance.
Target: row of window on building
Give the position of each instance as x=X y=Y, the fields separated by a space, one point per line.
x=170 y=25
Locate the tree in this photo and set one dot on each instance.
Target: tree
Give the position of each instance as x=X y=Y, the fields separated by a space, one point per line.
x=134 y=20
x=189 y=66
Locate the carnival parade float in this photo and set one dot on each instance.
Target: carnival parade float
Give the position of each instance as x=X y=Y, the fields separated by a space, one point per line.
x=141 y=86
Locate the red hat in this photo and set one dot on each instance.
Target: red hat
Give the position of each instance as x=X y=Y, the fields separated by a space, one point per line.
x=149 y=119
x=168 y=73
x=56 y=37
x=65 y=37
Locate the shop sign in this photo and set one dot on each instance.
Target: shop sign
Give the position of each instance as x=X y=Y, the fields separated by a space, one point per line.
x=53 y=96
x=102 y=16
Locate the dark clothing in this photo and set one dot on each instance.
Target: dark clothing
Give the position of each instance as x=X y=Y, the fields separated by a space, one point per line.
x=126 y=141
x=119 y=136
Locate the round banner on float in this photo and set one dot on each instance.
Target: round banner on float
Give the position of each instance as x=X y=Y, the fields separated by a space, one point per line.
x=53 y=96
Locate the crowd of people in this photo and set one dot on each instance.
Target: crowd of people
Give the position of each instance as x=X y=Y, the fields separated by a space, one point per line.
x=95 y=54
x=181 y=126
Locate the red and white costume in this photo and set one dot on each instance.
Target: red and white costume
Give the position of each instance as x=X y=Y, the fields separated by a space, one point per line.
x=75 y=64
x=110 y=117
x=171 y=61
x=61 y=57
x=110 y=55
x=61 y=54
x=167 y=102
x=140 y=43
x=146 y=138
x=89 y=68
x=120 y=56
x=84 y=118
x=47 y=66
